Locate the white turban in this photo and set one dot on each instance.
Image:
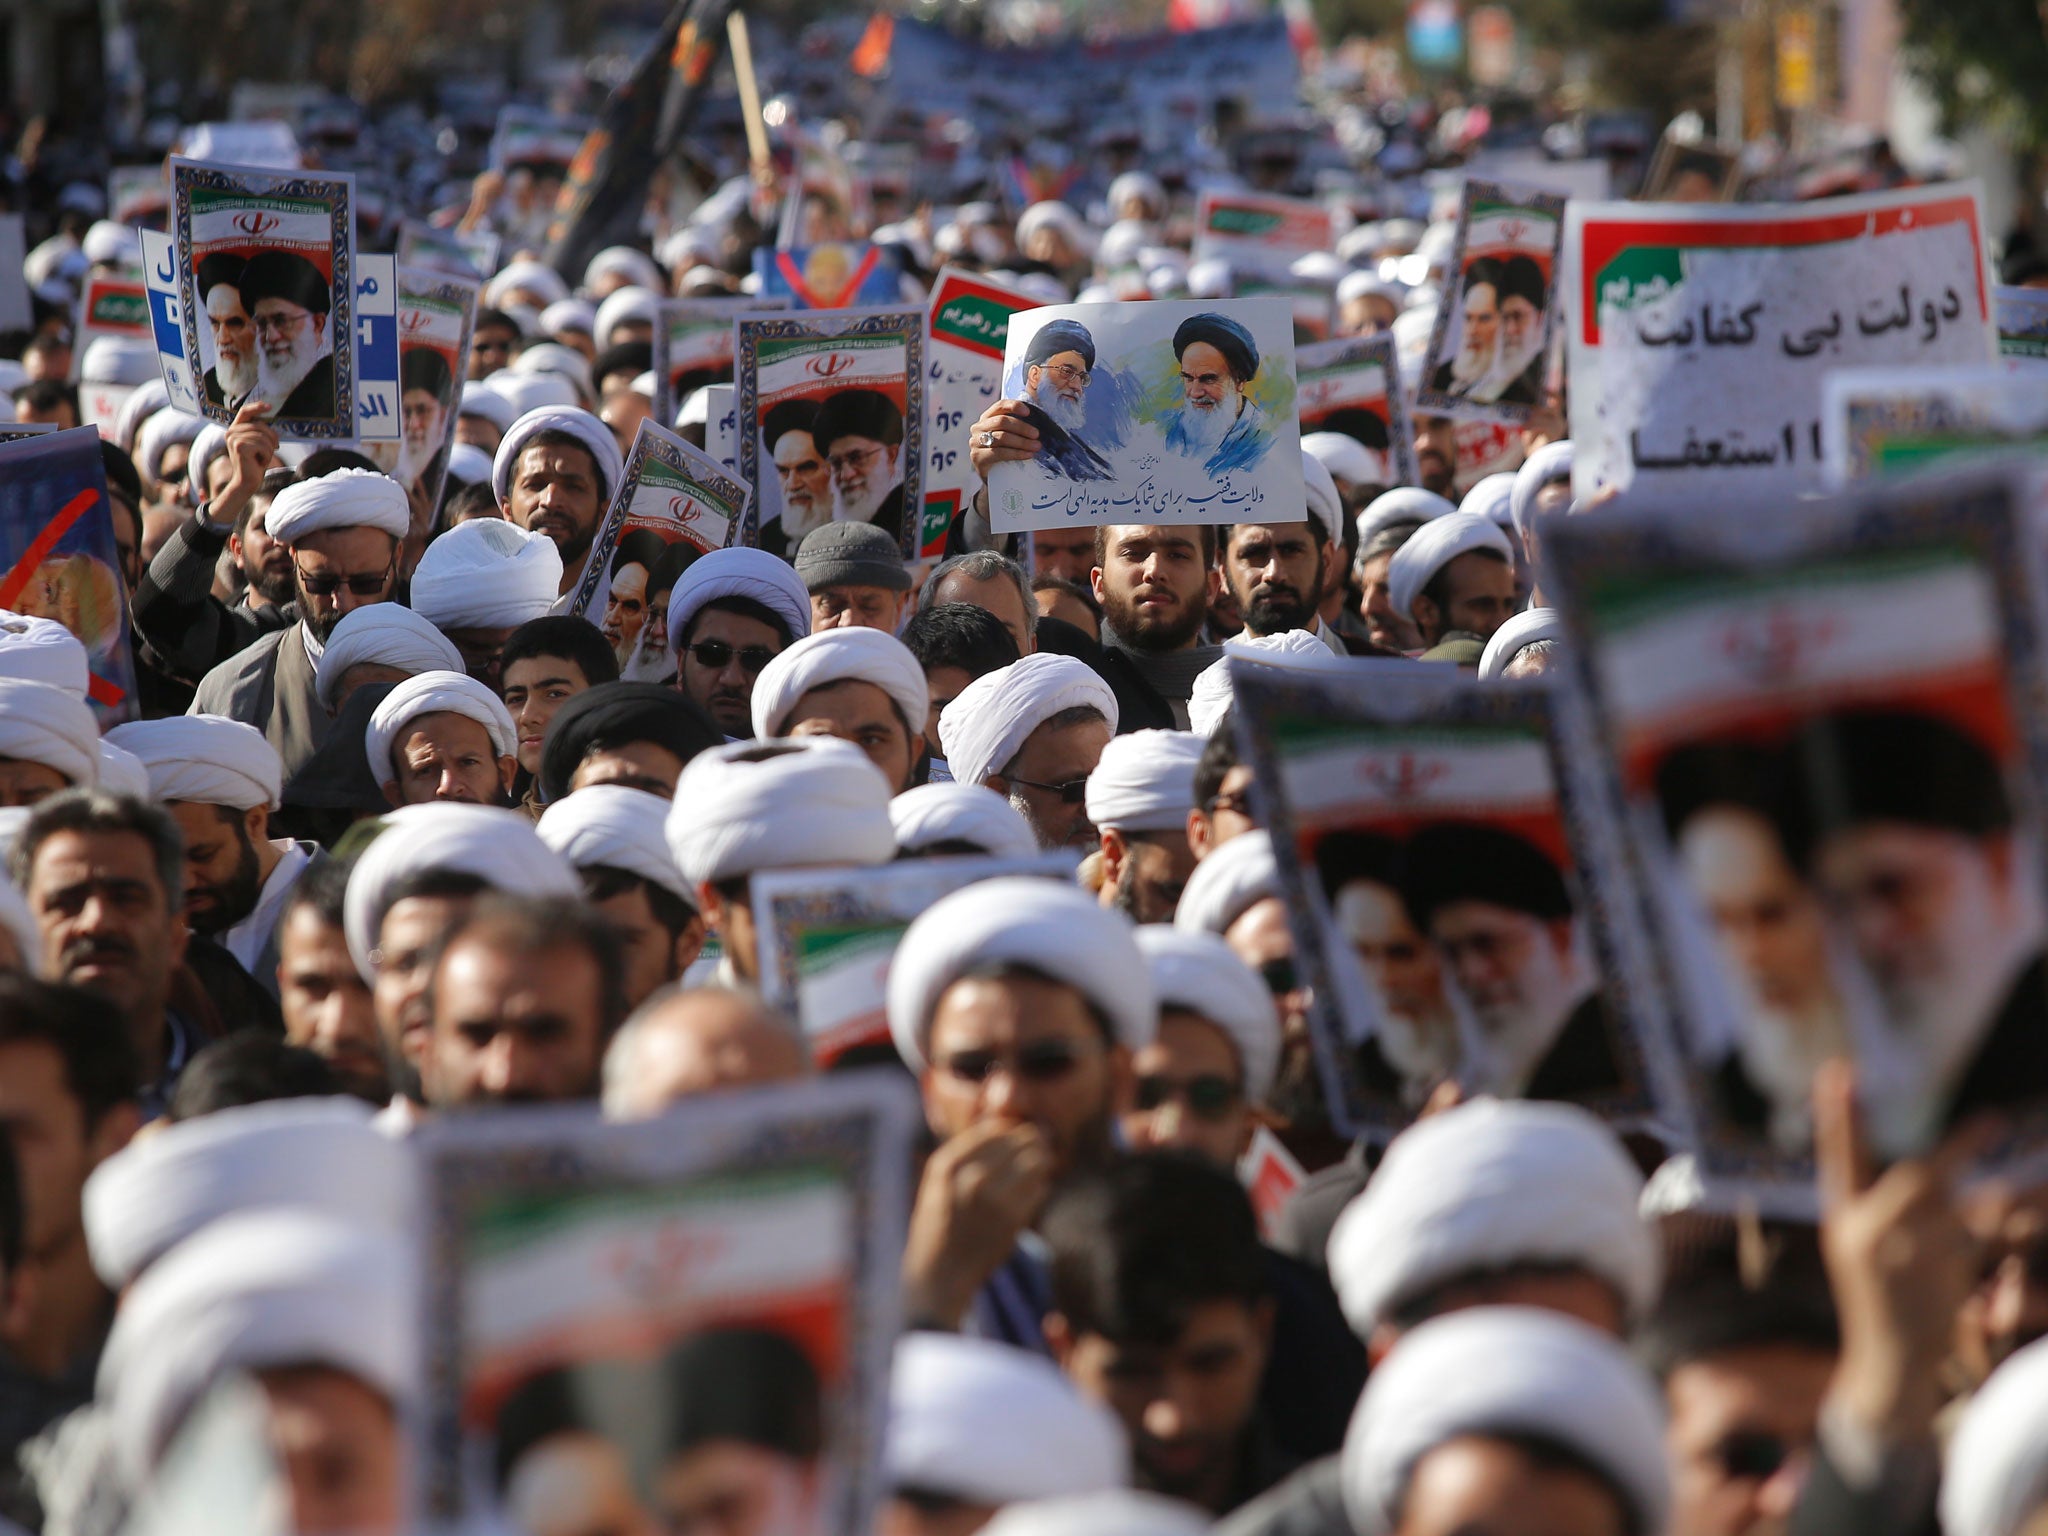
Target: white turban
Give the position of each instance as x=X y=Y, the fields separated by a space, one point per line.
x=581 y=425
x=837 y=656
x=1403 y=504
x=43 y=651
x=121 y=772
x=1054 y=215
x=1057 y=930
x=487 y=574
x=960 y=813
x=551 y=357
x=990 y=719
x=434 y=693
x=1516 y=636
x=207 y=758
x=481 y=399
x=1200 y=973
x=1346 y=458
x=341 y=498
x=779 y=805
x=1509 y=1372
x=1325 y=506
x=622 y=307
x=1492 y=499
x=985 y=1423
x=209 y=445
x=498 y=847
x=118 y=360
x=636 y=266
x=383 y=634
x=42 y=724
x=1145 y=782
x=17 y=921
x=1139 y=184
x=1112 y=1512
x=739 y=572
x=534 y=277
x=1435 y=545
x=1996 y=1477
x=1493 y=1184
x=526 y=393
x=147 y=400
x=1368 y=285
x=162 y=432
x=252 y=1291
x=1546 y=466
x=569 y=315
x=1213 y=693
x=1228 y=883
x=613 y=825
x=468 y=464
x=323 y=1153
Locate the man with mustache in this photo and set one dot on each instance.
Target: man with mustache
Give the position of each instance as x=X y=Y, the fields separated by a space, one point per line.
x=860 y=434
x=218 y=278
x=554 y=473
x=1033 y=732
x=288 y=300
x=732 y=612
x=1217 y=421
x=1278 y=571
x=342 y=531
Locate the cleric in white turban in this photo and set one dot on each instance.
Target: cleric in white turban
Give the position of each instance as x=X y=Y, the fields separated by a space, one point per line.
x=585 y=428
x=1530 y=627
x=1112 y=1512
x=1145 y=782
x=341 y=498
x=442 y=736
x=326 y=1154
x=1043 y=926
x=938 y=820
x=497 y=847
x=1476 y=564
x=752 y=574
x=613 y=826
x=1547 y=466
x=859 y=684
x=1508 y=1412
x=1228 y=883
x=536 y=280
x=1197 y=975
x=1212 y=696
x=210 y=444
x=1403 y=504
x=1055 y=703
x=383 y=643
x=758 y=805
x=977 y=1424
x=48 y=740
x=631 y=305
x=1350 y=463
x=121 y=772
x=43 y=651
x=206 y=759
x=1995 y=1482
x=1492 y=1190
x=618 y=266
x=276 y=1295
x=486 y=575
x=1492 y=498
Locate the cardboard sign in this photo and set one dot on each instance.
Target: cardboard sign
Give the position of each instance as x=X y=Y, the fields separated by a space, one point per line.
x=1488 y=351
x=967 y=326
x=1888 y=421
x=1354 y=387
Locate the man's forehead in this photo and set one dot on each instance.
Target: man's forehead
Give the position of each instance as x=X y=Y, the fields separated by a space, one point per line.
x=854 y=592
x=444 y=728
x=558 y=459
x=73 y=855
x=543 y=671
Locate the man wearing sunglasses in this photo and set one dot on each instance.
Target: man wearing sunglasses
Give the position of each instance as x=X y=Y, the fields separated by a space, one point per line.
x=730 y=614
x=1214 y=1057
x=1139 y=797
x=1033 y=731
x=342 y=531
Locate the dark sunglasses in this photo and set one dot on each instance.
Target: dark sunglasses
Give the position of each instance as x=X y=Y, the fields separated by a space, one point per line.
x=1752 y=1455
x=367 y=585
x=1048 y=1061
x=1208 y=1095
x=1073 y=792
x=1280 y=976
x=712 y=655
x=1238 y=805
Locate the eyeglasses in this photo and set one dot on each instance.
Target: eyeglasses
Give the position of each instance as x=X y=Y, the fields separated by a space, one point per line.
x=1073 y=792
x=714 y=655
x=1237 y=805
x=280 y=325
x=364 y=584
x=1044 y=1061
x=1280 y=976
x=842 y=462
x=1751 y=1455
x=1208 y=1095
x=1067 y=373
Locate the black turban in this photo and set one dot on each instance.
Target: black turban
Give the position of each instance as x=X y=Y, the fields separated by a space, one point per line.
x=789 y=416
x=1704 y=775
x=1898 y=766
x=613 y=714
x=220 y=267
x=857 y=413
x=1460 y=862
x=1057 y=336
x=423 y=368
x=1240 y=352
x=284 y=275
x=744 y=1384
x=1345 y=857
x=1485 y=270
x=638 y=546
x=1521 y=278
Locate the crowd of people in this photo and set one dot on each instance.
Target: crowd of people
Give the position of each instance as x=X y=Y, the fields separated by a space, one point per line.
x=394 y=833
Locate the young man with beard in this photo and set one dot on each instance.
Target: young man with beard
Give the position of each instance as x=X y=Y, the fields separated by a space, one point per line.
x=554 y=473
x=233 y=373
x=1217 y=422
x=288 y=301
x=859 y=433
x=1155 y=582
x=220 y=780
x=1278 y=571
x=801 y=471
x=1454 y=575
x=731 y=613
x=342 y=531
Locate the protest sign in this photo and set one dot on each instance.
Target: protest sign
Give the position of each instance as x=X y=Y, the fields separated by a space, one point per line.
x=135 y=194
x=377 y=413
x=458 y=253
x=1591 y=179
x=1889 y=421
x=722 y=436
x=111 y=306
x=655 y=1288
x=2023 y=329
x=59 y=558
x=527 y=138
x=837 y=275
x=826 y=937
x=1270 y=1175
x=1417 y=815
x=1486 y=354
x=1256 y=233
x=265 y=144
x=1166 y=412
x=833 y=403
x=270 y=261
x=1824 y=715
x=693 y=346
x=673 y=503
x=436 y=313
x=166 y=321
x=1354 y=387
x=1700 y=335
x=1312 y=304
x=969 y=321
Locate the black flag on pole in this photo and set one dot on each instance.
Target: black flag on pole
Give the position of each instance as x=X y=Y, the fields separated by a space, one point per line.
x=643 y=120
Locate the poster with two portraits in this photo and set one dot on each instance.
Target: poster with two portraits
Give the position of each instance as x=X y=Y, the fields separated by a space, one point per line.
x=1490 y=347
x=1784 y=793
